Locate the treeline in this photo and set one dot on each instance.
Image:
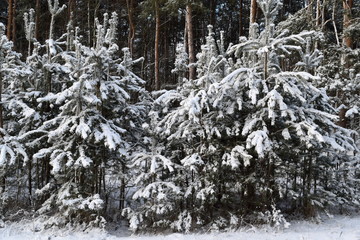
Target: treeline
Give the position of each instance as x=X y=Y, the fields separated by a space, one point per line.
x=233 y=133
x=178 y=21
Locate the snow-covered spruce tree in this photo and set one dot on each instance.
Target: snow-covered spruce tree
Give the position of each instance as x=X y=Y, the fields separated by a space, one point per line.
x=337 y=74
x=244 y=139
x=99 y=121
x=12 y=153
x=177 y=179
x=287 y=126
x=28 y=114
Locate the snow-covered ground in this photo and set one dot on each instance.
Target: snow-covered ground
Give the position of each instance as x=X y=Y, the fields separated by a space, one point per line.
x=337 y=228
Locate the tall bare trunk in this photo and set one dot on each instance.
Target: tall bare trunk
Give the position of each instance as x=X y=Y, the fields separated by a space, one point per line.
x=241 y=24
x=318 y=13
x=10 y=19
x=1 y=105
x=37 y=19
x=347 y=5
x=157 y=42
x=253 y=10
x=3 y=178
x=310 y=9
x=14 y=23
x=131 y=36
x=72 y=11
x=30 y=181
x=213 y=12
x=89 y=25
x=190 y=36
x=334 y=23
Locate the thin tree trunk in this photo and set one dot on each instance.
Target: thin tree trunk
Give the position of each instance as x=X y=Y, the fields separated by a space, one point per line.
x=318 y=13
x=241 y=24
x=310 y=9
x=347 y=5
x=323 y=9
x=14 y=23
x=37 y=20
x=212 y=12
x=3 y=179
x=253 y=10
x=37 y=175
x=51 y=31
x=100 y=178
x=30 y=181
x=9 y=19
x=166 y=55
x=157 y=42
x=89 y=23
x=334 y=23
x=1 y=105
x=190 y=35
x=131 y=36
x=71 y=8
x=122 y=188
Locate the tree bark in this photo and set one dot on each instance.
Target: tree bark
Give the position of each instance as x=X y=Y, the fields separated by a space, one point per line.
x=157 y=42
x=30 y=181
x=9 y=19
x=213 y=12
x=14 y=23
x=89 y=23
x=131 y=36
x=37 y=19
x=347 y=5
x=190 y=35
x=318 y=13
x=241 y=24
x=1 y=105
x=253 y=10
x=72 y=10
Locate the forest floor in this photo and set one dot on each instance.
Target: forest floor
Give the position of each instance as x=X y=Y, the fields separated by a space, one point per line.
x=336 y=228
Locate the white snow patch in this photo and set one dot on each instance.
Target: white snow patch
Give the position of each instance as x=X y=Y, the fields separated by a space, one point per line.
x=340 y=228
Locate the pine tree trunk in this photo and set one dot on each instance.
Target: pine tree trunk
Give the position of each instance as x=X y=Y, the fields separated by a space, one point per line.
x=253 y=10
x=334 y=23
x=157 y=42
x=241 y=24
x=212 y=12
x=1 y=104
x=2 y=180
x=89 y=33
x=14 y=23
x=37 y=19
x=190 y=35
x=9 y=19
x=347 y=5
x=122 y=188
x=30 y=181
x=38 y=186
x=318 y=13
x=71 y=9
x=131 y=36
x=310 y=10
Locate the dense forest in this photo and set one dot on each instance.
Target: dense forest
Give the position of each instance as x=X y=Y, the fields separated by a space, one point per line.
x=178 y=114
